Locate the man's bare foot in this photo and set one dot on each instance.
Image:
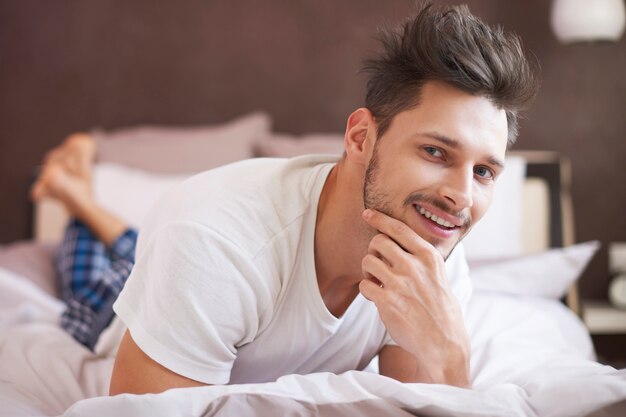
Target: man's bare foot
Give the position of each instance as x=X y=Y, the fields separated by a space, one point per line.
x=76 y=154
x=66 y=174
x=66 y=177
x=56 y=182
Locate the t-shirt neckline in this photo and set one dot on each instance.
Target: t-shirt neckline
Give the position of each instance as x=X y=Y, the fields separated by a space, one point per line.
x=308 y=253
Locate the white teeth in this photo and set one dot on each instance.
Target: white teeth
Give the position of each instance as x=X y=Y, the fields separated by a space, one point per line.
x=428 y=214
x=434 y=218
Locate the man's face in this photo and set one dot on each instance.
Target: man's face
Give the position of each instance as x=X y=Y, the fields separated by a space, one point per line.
x=438 y=161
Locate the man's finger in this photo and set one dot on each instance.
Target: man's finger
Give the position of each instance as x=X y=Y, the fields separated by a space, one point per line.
x=402 y=234
x=377 y=268
x=384 y=247
x=370 y=290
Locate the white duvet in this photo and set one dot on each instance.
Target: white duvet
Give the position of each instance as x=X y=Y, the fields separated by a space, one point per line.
x=530 y=357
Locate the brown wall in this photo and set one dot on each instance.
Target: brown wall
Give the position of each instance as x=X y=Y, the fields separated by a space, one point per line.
x=72 y=65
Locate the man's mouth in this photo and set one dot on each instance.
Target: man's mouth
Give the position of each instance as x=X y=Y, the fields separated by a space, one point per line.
x=433 y=218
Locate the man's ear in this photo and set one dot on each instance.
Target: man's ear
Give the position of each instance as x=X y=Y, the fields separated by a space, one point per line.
x=360 y=136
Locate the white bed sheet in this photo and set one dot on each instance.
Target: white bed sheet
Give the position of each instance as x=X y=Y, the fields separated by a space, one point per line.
x=531 y=357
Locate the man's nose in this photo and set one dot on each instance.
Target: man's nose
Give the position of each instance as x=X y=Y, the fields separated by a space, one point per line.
x=458 y=187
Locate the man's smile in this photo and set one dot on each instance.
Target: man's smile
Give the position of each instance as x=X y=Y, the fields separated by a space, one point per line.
x=439 y=220
x=439 y=223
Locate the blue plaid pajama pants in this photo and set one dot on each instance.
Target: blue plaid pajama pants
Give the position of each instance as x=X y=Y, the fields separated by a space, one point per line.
x=91 y=276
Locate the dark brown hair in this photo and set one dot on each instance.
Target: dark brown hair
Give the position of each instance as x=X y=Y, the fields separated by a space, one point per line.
x=448 y=44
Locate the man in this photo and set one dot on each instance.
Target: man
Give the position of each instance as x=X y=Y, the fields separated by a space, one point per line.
x=265 y=267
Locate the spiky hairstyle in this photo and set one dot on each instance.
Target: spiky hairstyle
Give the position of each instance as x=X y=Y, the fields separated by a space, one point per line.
x=449 y=44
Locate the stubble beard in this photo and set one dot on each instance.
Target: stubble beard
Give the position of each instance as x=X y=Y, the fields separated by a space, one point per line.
x=375 y=198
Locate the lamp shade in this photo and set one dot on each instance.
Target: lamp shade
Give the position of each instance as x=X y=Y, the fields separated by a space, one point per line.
x=587 y=20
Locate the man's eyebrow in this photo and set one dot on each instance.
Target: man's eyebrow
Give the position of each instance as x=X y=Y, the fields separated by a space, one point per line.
x=452 y=143
x=455 y=144
x=497 y=162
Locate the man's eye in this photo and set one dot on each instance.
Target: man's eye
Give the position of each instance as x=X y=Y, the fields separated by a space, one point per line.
x=434 y=151
x=484 y=172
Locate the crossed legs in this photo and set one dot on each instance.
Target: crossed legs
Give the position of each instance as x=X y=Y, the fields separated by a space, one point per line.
x=97 y=252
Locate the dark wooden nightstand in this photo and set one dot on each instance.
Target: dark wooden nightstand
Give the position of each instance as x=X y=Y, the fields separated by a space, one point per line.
x=607 y=325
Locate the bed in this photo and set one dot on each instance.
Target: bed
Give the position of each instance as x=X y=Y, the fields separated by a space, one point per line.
x=531 y=354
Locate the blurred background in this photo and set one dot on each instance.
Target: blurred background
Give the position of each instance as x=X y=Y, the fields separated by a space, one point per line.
x=68 y=66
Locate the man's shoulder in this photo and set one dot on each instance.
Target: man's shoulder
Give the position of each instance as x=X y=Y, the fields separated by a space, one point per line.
x=250 y=174
x=248 y=201
x=268 y=184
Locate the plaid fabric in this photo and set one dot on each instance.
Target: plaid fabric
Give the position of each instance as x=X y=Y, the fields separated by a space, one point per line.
x=92 y=275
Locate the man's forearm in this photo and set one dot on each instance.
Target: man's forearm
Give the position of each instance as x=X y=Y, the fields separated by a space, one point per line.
x=401 y=365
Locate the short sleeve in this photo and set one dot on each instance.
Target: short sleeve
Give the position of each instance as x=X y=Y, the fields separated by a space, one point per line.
x=193 y=297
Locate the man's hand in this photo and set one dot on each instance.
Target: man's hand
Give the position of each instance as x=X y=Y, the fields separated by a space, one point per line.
x=405 y=277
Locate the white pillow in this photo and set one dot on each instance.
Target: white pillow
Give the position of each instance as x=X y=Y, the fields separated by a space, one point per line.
x=499 y=233
x=128 y=192
x=545 y=274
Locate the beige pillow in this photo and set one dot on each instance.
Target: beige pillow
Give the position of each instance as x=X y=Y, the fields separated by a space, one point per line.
x=287 y=146
x=168 y=149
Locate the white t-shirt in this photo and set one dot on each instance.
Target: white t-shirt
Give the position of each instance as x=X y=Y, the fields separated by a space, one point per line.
x=224 y=288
